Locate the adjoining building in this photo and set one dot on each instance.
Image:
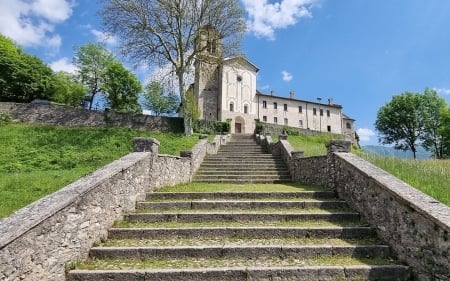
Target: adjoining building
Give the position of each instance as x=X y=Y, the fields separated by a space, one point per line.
x=225 y=88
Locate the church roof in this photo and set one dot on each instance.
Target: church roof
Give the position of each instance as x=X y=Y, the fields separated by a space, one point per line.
x=241 y=60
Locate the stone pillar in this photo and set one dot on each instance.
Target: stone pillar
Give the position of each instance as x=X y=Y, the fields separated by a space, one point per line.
x=146 y=145
x=332 y=147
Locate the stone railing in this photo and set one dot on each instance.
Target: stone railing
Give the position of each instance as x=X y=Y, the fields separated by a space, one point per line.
x=415 y=225
x=38 y=241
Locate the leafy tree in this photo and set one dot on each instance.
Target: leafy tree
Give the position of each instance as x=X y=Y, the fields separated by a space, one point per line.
x=122 y=88
x=157 y=101
x=67 y=90
x=444 y=131
x=23 y=77
x=432 y=109
x=165 y=31
x=92 y=61
x=400 y=122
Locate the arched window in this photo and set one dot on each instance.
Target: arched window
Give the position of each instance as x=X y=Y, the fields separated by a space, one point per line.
x=245 y=109
x=231 y=107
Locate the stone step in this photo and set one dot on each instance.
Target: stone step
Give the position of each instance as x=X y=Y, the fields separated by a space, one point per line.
x=299 y=273
x=242 y=181
x=244 y=157
x=348 y=232
x=245 y=251
x=239 y=195
x=253 y=205
x=241 y=217
x=249 y=178
x=233 y=172
x=241 y=164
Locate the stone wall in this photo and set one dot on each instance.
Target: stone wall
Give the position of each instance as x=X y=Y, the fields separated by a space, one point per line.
x=415 y=225
x=78 y=117
x=38 y=241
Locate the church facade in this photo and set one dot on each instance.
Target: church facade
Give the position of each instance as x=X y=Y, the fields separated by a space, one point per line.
x=228 y=90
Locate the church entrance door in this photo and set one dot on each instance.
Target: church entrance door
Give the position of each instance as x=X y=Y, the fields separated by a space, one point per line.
x=237 y=128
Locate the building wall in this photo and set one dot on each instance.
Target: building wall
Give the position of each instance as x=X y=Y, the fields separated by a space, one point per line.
x=238 y=96
x=308 y=117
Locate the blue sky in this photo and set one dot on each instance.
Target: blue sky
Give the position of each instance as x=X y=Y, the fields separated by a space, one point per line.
x=358 y=52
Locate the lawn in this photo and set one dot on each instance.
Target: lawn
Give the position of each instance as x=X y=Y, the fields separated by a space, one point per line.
x=38 y=160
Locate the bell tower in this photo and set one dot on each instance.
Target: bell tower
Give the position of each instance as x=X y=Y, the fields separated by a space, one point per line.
x=207 y=88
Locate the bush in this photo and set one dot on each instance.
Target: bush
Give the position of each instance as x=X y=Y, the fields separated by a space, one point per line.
x=5 y=118
x=211 y=127
x=260 y=127
x=290 y=131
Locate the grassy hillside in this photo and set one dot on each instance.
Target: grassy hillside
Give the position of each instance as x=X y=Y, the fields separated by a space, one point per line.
x=38 y=160
x=430 y=176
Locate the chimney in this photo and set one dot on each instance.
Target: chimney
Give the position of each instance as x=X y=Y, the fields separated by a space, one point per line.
x=272 y=93
x=330 y=101
x=292 y=95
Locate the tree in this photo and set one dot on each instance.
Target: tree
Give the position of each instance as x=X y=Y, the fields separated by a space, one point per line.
x=92 y=61
x=189 y=107
x=432 y=108
x=122 y=88
x=400 y=122
x=444 y=131
x=67 y=90
x=23 y=77
x=157 y=101
x=165 y=31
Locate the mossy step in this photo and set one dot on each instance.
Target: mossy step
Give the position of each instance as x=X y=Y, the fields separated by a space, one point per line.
x=247 y=211
x=243 y=251
x=255 y=232
x=304 y=273
x=240 y=204
x=237 y=241
x=241 y=195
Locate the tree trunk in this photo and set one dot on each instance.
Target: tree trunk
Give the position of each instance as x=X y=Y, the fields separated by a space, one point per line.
x=186 y=115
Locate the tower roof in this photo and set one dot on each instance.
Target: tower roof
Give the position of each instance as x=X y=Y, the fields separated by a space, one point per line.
x=241 y=60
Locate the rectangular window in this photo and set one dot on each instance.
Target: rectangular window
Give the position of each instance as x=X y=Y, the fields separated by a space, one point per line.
x=275 y=120
x=285 y=121
x=264 y=104
x=285 y=107
x=321 y=112
x=300 y=123
x=314 y=111
x=328 y=113
x=245 y=109
x=231 y=107
x=265 y=118
x=329 y=128
x=275 y=105
x=300 y=109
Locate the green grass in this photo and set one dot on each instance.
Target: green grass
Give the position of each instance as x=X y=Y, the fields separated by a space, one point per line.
x=38 y=160
x=224 y=187
x=431 y=176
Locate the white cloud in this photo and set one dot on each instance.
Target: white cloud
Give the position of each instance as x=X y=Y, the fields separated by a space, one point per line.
x=266 y=17
x=365 y=134
x=63 y=64
x=32 y=23
x=286 y=76
x=103 y=37
x=443 y=91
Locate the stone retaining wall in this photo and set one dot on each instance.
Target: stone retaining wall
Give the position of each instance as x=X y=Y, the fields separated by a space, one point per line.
x=414 y=224
x=38 y=241
x=79 y=117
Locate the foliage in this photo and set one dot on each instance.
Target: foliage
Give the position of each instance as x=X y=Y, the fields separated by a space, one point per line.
x=23 y=77
x=38 y=160
x=92 y=61
x=122 y=88
x=259 y=126
x=167 y=32
x=401 y=122
x=290 y=131
x=5 y=118
x=189 y=109
x=444 y=131
x=412 y=119
x=157 y=101
x=432 y=109
x=67 y=90
x=211 y=127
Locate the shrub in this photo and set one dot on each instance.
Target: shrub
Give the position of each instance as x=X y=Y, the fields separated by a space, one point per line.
x=5 y=118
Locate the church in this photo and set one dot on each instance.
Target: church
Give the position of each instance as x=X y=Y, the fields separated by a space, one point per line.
x=225 y=88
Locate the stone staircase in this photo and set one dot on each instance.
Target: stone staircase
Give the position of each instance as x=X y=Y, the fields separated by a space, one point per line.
x=242 y=160
x=304 y=235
